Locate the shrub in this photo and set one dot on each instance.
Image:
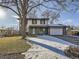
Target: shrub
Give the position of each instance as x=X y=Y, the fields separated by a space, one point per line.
x=77 y=33
x=72 y=51
x=31 y=35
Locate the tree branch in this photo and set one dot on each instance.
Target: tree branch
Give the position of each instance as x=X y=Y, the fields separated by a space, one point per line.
x=18 y=8
x=47 y=0
x=41 y=4
x=49 y=7
x=9 y=8
x=33 y=7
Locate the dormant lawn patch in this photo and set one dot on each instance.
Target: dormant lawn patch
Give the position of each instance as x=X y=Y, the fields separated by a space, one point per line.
x=10 y=45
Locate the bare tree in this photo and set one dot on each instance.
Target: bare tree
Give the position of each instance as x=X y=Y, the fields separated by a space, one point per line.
x=33 y=14
x=23 y=7
x=46 y=14
x=53 y=15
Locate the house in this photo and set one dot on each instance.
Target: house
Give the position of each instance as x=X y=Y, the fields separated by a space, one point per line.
x=2 y=32
x=7 y=32
x=75 y=32
x=41 y=26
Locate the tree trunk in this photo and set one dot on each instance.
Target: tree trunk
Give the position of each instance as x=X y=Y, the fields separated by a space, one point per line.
x=23 y=18
x=23 y=24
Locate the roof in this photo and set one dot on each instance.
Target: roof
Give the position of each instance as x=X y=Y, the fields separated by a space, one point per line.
x=37 y=18
x=42 y=25
x=57 y=25
x=38 y=25
x=74 y=30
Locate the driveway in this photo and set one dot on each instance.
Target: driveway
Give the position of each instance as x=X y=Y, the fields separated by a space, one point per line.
x=54 y=39
x=70 y=38
x=54 y=44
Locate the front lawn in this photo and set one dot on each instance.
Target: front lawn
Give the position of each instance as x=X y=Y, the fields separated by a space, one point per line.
x=13 y=45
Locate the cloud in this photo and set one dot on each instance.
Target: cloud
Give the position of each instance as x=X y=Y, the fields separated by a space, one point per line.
x=67 y=22
x=2 y=13
x=77 y=10
x=17 y=21
x=14 y=16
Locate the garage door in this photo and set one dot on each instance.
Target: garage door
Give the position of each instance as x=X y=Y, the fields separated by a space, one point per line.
x=56 y=31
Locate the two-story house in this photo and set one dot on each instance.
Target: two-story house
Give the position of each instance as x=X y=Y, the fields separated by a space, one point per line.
x=41 y=26
x=37 y=25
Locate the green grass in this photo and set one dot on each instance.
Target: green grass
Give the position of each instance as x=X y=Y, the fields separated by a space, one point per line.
x=13 y=45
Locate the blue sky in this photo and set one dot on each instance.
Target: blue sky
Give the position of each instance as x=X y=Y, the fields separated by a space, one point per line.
x=7 y=18
x=71 y=18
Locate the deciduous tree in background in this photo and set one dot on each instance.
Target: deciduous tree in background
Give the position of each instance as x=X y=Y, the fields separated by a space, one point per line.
x=52 y=15
x=33 y=14
x=23 y=7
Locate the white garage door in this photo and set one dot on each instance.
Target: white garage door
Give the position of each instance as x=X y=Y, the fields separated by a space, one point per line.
x=56 y=31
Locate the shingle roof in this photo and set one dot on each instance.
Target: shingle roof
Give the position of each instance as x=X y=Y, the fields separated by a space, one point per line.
x=57 y=25
x=38 y=18
x=38 y=25
x=53 y=25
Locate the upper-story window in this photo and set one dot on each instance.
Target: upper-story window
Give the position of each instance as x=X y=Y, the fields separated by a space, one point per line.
x=34 y=21
x=42 y=21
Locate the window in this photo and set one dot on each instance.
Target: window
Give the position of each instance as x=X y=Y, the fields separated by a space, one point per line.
x=34 y=21
x=42 y=21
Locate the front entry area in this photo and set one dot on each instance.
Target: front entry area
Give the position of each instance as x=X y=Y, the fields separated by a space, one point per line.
x=38 y=30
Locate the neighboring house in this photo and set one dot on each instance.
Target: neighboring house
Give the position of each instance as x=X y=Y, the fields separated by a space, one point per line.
x=7 y=32
x=41 y=26
x=2 y=32
x=75 y=32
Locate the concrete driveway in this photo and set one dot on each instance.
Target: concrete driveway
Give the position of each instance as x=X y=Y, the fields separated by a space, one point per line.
x=54 y=44
x=54 y=39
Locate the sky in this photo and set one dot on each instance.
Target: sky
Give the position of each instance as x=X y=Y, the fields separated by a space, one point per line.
x=8 y=18
x=70 y=18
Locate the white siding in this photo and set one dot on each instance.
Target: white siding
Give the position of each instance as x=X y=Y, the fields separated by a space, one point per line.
x=56 y=31
x=38 y=23
x=46 y=22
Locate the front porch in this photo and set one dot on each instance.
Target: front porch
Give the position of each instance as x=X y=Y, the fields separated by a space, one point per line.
x=38 y=30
